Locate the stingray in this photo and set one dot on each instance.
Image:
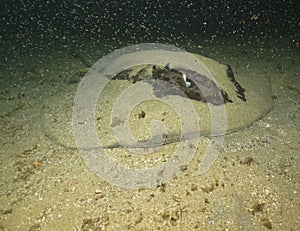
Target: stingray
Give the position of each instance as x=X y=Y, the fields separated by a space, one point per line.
x=146 y=99
x=121 y=109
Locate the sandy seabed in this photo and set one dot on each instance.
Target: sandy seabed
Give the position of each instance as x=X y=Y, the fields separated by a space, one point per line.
x=253 y=185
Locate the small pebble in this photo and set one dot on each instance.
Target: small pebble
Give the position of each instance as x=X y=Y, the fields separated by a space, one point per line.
x=97 y=191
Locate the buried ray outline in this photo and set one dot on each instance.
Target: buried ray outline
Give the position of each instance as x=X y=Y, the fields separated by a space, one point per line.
x=57 y=113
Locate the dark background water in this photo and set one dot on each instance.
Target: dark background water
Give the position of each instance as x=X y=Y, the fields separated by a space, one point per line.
x=145 y=20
